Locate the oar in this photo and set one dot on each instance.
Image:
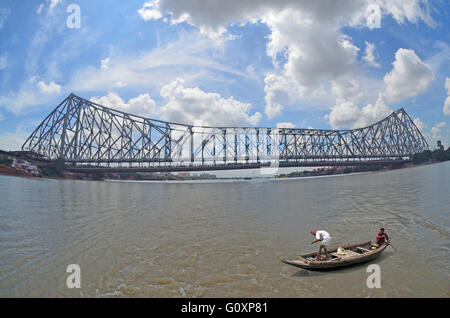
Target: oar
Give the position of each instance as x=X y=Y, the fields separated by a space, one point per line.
x=392 y=247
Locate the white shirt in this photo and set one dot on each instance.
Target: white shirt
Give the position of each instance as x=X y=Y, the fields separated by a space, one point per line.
x=322 y=235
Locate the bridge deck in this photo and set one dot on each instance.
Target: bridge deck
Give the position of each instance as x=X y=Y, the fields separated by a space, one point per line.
x=186 y=168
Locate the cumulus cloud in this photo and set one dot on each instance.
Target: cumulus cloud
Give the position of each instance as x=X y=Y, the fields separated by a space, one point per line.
x=187 y=105
x=347 y=114
x=51 y=88
x=346 y=88
x=372 y=113
x=142 y=105
x=344 y=114
x=309 y=61
x=408 y=10
x=409 y=76
x=215 y=15
x=369 y=57
x=278 y=92
x=150 y=11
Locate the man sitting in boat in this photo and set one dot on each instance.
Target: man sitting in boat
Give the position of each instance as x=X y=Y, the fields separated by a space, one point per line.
x=325 y=239
x=382 y=237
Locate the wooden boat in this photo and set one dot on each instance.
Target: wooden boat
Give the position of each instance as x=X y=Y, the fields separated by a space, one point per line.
x=354 y=254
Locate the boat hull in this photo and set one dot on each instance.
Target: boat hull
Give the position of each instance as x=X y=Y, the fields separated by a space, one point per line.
x=305 y=262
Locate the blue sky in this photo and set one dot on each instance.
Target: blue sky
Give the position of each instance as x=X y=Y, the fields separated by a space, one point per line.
x=250 y=63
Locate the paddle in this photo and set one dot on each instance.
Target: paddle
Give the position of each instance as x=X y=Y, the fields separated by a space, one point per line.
x=392 y=246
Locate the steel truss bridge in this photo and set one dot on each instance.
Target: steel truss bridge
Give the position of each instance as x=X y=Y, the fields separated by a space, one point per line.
x=89 y=137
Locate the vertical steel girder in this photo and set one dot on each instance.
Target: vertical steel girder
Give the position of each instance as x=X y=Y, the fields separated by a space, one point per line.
x=81 y=132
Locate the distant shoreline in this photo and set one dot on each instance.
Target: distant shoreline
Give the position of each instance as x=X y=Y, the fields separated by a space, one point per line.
x=11 y=165
x=215 y=180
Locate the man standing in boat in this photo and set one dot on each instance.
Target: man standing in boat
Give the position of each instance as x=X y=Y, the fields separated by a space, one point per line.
x=325 y=239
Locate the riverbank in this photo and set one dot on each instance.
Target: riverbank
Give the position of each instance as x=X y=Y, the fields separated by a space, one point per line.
x=50 y=173
x=13 y=165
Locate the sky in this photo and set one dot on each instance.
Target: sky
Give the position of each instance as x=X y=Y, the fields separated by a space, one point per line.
x=289 y=63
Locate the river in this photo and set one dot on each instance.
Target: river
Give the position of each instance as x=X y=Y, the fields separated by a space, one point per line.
x=223 y=239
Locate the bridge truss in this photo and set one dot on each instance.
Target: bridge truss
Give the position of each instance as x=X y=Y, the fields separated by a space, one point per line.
x=85 y=134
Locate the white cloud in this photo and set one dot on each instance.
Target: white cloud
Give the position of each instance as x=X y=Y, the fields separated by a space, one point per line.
x=150 y=11
x=346 y=88
x=409 y=76
x=408 y=10
x=278 y=93
x=142 y=105
x=31 y=92
x=33 y=79
x=447 y=106
x=50 y=88
x=39 y=10
x=105 y=63
x=420 y=125
x=218 y=14
x=285 y=125
x=439 y=131
x=436 y=130
x=188 y=105
x=185 y=106
x=370 y=114
x=344 y=114
x=53 y=3
x=447 y=100
x=12 y=141
x=190 y=57
x=310 y=61
x=15 y=102
x=348 y=115
x=369 y=57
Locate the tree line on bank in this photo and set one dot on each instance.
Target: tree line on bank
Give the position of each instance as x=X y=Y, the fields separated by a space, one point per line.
x=432 y=155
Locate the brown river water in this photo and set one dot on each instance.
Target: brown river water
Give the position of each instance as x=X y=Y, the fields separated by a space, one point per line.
x=223 y=239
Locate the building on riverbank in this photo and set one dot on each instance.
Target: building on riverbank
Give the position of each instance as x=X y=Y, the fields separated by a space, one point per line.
x=12 y=165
